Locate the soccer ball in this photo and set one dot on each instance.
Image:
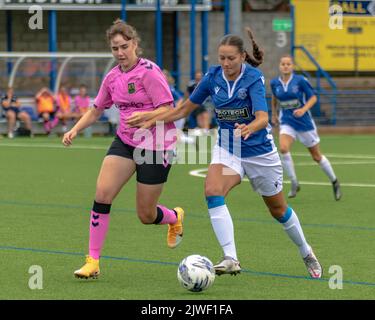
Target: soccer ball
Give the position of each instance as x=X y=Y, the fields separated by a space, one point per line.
x=196 y=273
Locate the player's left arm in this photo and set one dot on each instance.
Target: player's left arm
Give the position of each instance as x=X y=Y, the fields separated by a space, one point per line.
x=246 y=130
x=137 y=119
x=310 y=96
x=257 y=93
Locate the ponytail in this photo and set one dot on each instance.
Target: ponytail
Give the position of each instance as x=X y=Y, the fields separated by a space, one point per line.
x=258 y=54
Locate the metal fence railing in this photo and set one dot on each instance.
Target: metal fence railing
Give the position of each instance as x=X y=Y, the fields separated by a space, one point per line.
x=352 y=108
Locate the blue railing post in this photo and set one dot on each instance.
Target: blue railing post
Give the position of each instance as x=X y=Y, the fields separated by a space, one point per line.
x=322 y=73
x=9 y=32
x=318 y=91
x=123 y=10
x=192 y=39
x=226 y=16
x=204 y=31
x=176 y=49
x=293 y=31
x=159 y=35
x=333 y=104
x=52 y=45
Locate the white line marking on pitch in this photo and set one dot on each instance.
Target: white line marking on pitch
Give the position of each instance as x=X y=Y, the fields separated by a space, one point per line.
x=96 y=147
x=303 y=164
x=337 y=155
x=50 y=145
x=199 y=173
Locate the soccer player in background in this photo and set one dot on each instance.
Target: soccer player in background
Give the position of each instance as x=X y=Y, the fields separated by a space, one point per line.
x=295 y=96
x=245 y=146
x=134 y=84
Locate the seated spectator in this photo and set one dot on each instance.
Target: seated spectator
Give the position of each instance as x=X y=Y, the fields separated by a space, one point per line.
x=11 y=111
x=81 y=101
x=81 y=106
x=45 y=103
x=192 y=119
x=202 y=117
x=64 y=109
x=203 y=120
x=178 y=97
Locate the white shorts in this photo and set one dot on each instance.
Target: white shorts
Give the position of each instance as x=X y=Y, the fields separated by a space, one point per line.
x=264 y=172
x=307 y=138
x=180 y=123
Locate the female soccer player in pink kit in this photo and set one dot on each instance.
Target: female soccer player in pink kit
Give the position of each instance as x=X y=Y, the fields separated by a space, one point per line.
x=135 y=84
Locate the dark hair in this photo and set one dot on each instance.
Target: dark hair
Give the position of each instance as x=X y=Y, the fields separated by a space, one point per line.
x=236 y=41
x=287 y=55
x=127 y=31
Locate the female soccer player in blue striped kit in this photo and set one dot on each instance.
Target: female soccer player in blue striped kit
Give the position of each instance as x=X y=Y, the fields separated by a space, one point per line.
x=295 y=96
x=245 y=147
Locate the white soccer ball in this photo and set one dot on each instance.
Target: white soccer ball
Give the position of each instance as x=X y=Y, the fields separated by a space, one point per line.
x=196 y=273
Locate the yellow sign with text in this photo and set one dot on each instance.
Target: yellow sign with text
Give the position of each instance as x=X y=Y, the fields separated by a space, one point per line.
x=340 y=35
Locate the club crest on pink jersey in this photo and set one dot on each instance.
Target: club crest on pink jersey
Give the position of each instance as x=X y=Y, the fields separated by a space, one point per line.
x=131 y=88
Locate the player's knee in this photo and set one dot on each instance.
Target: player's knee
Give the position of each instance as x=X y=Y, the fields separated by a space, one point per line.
x=103 y=196
x=145 y=216
x=277 y=211
x=213 y=190
x=283 y=149
x=317 y=157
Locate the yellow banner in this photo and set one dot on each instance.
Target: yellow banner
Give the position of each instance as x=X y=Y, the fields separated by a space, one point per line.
x=340 y=35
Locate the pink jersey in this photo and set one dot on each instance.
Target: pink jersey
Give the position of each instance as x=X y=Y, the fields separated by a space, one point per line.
x=142 y=88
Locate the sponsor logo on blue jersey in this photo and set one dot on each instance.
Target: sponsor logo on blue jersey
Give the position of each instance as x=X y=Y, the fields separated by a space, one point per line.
x=290 y=104
x=232 y=114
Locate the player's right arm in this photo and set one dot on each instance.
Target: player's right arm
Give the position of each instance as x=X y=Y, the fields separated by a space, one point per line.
x=91 y=116
x=275 y=111
x=275 y=117
x=102 y=101
x=181 y=111
x=201 y=92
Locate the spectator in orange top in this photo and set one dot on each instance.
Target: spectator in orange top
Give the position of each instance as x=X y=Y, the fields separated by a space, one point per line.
x=45 y=103
x=64 y=109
